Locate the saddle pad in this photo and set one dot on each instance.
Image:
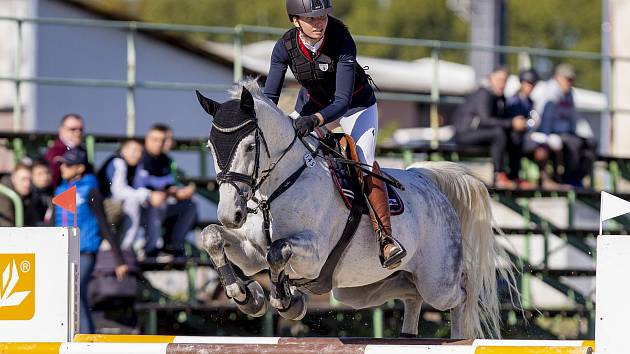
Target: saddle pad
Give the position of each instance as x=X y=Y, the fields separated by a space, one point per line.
x=346 y=188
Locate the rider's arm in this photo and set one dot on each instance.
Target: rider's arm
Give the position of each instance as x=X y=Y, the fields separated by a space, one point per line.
x=346 y=67
x=277 y=70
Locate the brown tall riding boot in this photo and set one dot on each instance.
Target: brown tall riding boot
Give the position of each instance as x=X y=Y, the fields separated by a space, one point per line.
x=392 y=252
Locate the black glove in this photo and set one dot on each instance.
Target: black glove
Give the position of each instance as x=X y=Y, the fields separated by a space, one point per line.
x=304 y=125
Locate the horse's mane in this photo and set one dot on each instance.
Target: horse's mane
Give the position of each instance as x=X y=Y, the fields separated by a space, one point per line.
x=251 y=84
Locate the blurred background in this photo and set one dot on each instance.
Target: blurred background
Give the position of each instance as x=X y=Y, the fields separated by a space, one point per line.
x=125 y=65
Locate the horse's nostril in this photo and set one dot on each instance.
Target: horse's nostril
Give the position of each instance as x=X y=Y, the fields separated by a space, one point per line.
x=238 y=216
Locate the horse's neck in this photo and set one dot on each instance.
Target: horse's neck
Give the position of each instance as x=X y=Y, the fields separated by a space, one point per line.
x=279 y=133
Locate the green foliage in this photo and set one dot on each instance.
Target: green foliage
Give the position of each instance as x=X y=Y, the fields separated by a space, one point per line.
x=555 y=24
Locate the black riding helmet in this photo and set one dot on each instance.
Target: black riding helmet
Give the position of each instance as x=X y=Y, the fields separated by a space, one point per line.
x=308 y=8
x=528 y=75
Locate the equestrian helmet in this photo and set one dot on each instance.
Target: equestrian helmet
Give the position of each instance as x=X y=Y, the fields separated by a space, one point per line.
x=308 y=8
x=528 y=75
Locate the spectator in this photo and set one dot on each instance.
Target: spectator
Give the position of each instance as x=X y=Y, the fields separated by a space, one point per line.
x=482 y=120
x=70 y=136
x=117 y=180
x=521 y=105
x=90 y=215
x=557 y=131
x=20 y=182
x=156 y=174
x=42 y=191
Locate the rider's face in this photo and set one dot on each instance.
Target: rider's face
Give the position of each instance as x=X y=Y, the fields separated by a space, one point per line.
x=313 y=27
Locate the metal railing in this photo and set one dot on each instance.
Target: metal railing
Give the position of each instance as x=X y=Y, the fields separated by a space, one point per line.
x=18 y=207
x=237 y=34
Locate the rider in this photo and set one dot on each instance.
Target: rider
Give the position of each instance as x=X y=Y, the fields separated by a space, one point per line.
x=322 y=56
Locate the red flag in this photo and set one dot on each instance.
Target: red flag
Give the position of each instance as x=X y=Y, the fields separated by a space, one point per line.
x=68 y=201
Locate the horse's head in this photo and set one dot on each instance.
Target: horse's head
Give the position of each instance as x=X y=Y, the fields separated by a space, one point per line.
x=235 y=141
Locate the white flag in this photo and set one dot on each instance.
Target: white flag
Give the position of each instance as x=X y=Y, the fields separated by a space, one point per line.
x=612 y=206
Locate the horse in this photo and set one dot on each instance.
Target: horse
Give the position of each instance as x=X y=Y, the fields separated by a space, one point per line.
x=452 y=257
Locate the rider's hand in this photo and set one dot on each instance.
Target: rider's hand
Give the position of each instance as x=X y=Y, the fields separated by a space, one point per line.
x=304 y=125
x=519 y=123
x=185 y=193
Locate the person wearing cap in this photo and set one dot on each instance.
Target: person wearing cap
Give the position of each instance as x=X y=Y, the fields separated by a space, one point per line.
x=520 y=105
x=557 y=131
x=336 y=91
x=91 y=220
x=482 y=120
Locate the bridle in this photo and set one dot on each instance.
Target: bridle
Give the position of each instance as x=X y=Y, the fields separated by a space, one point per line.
x=257 y=178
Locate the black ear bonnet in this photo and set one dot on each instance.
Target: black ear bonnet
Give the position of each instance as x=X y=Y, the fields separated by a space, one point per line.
x=232 y=123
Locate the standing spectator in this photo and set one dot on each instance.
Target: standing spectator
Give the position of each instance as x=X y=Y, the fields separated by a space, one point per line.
x=558 y=128
x=20 y=182
x=70 y=136
x=482 y=120
x=117 y=180
x=42 y=191
x=91 y=219
x=521 y=105
x=156 y=174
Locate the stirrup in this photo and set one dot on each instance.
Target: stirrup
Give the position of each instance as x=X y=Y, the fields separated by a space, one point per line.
x=395 y=257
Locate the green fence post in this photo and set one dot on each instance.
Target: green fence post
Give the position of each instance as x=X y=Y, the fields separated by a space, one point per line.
x=17 y=106
x=238 y=53
x=377 y=322
x=435 y=98
x=131 y=80
x=203 y=160
x=18 y=150
x=90 y=147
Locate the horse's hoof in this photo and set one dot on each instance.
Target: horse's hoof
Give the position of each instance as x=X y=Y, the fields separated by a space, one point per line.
x=297 y=308
x=255 y=303
x=235 y=291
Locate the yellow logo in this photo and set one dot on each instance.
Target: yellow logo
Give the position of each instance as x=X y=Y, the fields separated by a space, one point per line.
x=17 y=286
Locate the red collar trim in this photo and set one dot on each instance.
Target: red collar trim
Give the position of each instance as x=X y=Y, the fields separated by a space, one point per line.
x=305 y=50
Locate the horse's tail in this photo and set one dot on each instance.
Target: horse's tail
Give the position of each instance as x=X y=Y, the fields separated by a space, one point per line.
x=483 y=255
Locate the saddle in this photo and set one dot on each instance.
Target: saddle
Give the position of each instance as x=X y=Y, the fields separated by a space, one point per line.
x=347 y=179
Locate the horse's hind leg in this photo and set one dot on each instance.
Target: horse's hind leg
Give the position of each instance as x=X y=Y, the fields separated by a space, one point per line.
x=397 y=286
x=249 y=295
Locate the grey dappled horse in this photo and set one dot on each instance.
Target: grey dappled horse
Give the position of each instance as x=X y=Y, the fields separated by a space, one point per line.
x=452 y=258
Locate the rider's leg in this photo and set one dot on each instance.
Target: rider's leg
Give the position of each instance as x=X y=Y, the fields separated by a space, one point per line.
x=363 y=127
x=392 y=252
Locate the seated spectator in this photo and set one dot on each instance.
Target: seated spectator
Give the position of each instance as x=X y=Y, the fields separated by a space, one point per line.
x=482 y=120
x=557 y=131
x=42 y=191
x=70 y=136
x=76 y=171
x=521 y=105
x=117 y=181
x=18 y=181
x=156 y=174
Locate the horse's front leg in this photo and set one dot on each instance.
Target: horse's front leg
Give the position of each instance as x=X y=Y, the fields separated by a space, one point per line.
x=248 y=295
x=302 y=253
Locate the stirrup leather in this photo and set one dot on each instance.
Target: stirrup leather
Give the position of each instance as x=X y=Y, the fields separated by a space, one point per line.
x=395 y=257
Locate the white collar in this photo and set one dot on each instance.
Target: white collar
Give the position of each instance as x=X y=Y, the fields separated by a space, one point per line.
x=312 y=48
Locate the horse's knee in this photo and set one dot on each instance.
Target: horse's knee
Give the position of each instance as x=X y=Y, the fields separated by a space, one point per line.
x=278 y=255
x=211 y=238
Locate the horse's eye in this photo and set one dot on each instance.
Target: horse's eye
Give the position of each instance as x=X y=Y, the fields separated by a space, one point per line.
x=251 y=147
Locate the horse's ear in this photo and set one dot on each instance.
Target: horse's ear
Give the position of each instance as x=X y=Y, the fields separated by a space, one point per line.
x=247 y=101
x=208 y=105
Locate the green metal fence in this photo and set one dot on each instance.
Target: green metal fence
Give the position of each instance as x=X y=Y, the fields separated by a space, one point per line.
x=237 y=34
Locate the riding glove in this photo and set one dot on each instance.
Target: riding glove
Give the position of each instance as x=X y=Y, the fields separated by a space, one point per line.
x=304 y=125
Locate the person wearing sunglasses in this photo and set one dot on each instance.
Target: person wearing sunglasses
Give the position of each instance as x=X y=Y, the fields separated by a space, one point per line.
x=70 y=136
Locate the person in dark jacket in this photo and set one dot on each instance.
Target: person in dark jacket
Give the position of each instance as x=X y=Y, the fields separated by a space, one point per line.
x=156 y=175
x=322 y=55
x=521 y=105
x=42 y=191
x=90 y=215
x=482 y=120
x=18 y=181
x=70 y=136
